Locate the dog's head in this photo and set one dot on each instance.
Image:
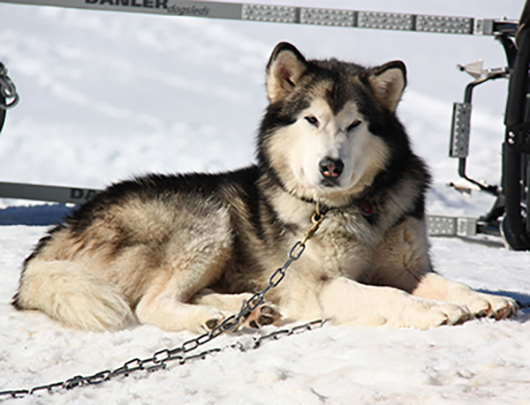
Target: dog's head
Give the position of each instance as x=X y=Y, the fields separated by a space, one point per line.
x=328 y=129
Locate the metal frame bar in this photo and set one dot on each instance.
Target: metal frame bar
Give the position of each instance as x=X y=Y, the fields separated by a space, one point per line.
x=57 y=194
x=436 y=225
x=292 y=15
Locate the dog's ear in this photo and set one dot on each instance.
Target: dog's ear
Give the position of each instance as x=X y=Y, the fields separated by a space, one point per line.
x=388 y=82
x=286 y=66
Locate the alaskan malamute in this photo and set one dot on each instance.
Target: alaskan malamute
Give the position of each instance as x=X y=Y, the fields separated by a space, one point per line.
x=187 y=251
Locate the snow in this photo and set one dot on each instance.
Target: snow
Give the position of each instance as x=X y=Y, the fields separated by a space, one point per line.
x=105 y=96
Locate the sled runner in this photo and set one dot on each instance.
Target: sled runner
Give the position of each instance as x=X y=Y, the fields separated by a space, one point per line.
x=508 y=217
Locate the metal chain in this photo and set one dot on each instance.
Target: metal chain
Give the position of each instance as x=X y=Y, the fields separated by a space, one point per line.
x=7 y=89
x=160 y=359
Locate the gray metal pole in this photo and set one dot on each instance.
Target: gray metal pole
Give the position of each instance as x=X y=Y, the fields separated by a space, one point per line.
x=46 y=193
x=284 y=14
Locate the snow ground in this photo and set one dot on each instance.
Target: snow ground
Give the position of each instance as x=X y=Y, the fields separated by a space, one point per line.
x=105 y=96
x=482 y=361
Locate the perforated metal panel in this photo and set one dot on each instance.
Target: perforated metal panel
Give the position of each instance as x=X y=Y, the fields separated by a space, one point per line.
x=265 y=13
x=322 y=16
x=451 y=226
x=444 y=25
x=460 y=130
x=441 y=226
x=386 y=21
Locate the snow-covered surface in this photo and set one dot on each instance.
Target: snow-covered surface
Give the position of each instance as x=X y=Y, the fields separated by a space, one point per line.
x=105 y=96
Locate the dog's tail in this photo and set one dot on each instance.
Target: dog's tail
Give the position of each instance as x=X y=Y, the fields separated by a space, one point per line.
x=67 y=292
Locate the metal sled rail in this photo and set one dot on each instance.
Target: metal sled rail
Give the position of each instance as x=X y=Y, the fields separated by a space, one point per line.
x=64 y=195
x=436 y=225
x=293 y=15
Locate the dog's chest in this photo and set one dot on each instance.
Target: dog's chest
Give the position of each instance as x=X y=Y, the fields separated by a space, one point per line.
x=344 y=245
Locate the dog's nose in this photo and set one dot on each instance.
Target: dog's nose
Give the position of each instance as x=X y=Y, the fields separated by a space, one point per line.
x=330 y=167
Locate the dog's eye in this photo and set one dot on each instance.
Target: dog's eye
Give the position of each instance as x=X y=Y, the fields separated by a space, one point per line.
x=312 y=120
x=353 y=125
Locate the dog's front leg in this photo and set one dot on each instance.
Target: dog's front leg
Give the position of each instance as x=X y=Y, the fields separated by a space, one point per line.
x=403 y=262
x=348 y=302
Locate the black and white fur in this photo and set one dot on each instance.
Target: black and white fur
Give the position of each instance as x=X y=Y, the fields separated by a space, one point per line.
x=186 y=251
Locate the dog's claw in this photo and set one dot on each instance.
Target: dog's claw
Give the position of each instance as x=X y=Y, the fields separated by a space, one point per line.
x=212 y=324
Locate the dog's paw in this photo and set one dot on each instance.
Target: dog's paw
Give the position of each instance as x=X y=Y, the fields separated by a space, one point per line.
x=265 y=314
x=431 y=314
x=492 y=306
x=449 y=314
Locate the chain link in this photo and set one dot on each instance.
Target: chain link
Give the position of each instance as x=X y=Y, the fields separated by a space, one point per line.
x=160 y=359
x=7 y=89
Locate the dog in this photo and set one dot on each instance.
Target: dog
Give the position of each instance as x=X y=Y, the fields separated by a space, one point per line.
x=187 y=251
